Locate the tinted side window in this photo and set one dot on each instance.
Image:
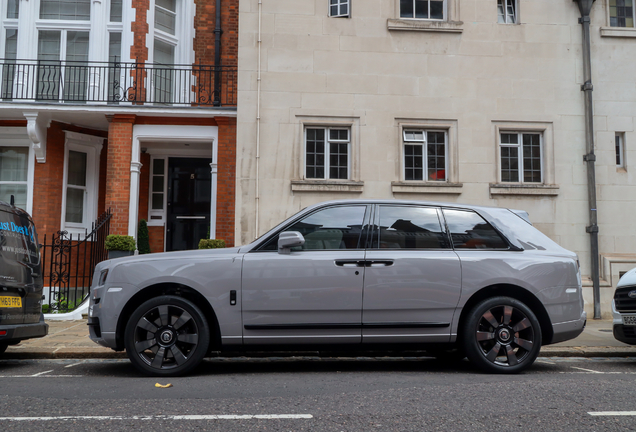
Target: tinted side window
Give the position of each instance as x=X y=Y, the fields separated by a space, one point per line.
x=410 y=228
x=331 y=228
x=470 y=231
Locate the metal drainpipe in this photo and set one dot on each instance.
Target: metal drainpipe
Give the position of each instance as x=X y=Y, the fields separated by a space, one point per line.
x=217 y=54
x=585 y=6
x=257 y=198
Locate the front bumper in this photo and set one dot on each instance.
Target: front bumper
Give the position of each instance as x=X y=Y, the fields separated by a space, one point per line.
x=625 y=334
x=105 y=339
x=568 y=330
x=17 y=332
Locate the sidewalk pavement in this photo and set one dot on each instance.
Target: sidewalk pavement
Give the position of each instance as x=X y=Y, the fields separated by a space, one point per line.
x=69 y=339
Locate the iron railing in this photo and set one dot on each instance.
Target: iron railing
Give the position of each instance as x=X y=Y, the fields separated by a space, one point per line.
x=117 y=83
x=68 y=264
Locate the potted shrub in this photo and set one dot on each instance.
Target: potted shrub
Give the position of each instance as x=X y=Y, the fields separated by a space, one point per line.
x=119 y=245
x=143 y=238
x=211 y=244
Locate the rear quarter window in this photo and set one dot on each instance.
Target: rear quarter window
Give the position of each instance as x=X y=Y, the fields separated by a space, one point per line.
x=471 y=231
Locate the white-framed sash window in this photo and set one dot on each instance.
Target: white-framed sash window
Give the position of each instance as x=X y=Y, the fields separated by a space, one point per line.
x=81 y=181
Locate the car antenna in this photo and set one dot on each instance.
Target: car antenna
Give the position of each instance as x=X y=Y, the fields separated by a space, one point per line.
x=12 y=201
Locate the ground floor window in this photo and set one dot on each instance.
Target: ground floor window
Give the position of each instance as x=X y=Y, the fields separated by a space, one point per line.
x=14 y=174
x=424 y=155
x=327 y=152
x=521 y=157
x=81 y=176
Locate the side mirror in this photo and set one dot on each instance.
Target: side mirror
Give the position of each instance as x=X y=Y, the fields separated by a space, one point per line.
x=288 y=240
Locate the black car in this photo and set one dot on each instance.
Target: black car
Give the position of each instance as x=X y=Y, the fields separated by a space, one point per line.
x=20 y=278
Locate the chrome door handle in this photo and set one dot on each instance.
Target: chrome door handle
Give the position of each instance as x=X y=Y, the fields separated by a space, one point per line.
x=349 y=263
x=190 y=217
x=379 y=263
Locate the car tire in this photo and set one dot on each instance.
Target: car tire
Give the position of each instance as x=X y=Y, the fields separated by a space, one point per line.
x=166 y=336
x=501 y=335
x=3 y=348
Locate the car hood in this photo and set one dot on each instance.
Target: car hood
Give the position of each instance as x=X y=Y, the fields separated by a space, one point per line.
x=628 y=279
x=163 y=256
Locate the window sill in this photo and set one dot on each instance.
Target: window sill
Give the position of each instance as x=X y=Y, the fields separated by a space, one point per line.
x=427 y=187
x=623 y=32
x=523 y=189
x=326 y=186
x=425 y=25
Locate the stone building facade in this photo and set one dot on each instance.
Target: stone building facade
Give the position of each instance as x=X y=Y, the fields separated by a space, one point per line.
x=121 y=105
x=473 y=101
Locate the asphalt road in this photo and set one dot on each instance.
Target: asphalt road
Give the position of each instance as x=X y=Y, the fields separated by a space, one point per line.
x=311 y=394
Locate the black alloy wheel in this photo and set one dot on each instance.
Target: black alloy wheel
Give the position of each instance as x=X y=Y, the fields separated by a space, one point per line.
x=166 y=336
x=502 y=335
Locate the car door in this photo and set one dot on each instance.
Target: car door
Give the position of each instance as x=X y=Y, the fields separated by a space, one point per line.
x=313 y=294
x=413 y=277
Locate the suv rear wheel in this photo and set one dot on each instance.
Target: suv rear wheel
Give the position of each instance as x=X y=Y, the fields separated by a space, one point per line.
x=501 y=335
x=166 y=336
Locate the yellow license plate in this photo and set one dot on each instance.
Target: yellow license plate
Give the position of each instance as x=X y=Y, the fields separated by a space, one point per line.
x=10 y=302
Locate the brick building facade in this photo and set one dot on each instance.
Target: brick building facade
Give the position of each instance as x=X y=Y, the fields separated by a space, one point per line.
x=121 y=105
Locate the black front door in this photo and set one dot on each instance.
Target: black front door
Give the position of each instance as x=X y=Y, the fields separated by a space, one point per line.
x=189 y=188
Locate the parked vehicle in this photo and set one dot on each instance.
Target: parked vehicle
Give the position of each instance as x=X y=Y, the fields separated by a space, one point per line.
x=20 y=278
x=624 y=308
x=342 y=275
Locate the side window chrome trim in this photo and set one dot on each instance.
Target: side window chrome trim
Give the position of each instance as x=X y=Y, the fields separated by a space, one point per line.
x=267 y=241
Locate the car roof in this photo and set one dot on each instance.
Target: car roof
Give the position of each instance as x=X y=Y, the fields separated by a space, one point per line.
x=4 y=206
x=415 y=202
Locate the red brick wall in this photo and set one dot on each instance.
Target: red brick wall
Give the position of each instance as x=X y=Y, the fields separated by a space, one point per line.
x=139 y=50
x=155 y=234
x=118 y=171
x=49 y=178
x=204 y=46
x=205 y=24
x=226 y=180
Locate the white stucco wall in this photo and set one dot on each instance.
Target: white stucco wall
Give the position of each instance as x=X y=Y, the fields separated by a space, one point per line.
x=316 y=69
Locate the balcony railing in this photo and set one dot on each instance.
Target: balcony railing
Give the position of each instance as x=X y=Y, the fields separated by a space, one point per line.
x=117 y=83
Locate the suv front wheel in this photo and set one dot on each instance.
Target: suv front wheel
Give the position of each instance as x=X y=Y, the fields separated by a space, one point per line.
x=166 y=336
x=501 y=335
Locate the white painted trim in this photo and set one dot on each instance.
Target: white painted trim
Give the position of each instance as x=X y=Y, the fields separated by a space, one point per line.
x=9 y=138
x=92 y=146
x=127 y=17
x=161 y=417
x=151 y=212
x=173 y=134
x=36 y=130
x=165 y=111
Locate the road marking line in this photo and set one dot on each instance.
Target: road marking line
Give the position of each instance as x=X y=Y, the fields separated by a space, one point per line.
x=41 y=376
x=587 y=370
x=612 y=413
x=42 y=373
x=74 y=364
x=169 y=417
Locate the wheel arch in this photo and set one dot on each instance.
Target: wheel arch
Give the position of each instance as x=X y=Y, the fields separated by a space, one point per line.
x=174 y=289
x=518 y=293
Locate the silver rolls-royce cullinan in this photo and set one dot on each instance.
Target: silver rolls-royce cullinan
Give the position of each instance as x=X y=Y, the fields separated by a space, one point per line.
x=447 y=279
